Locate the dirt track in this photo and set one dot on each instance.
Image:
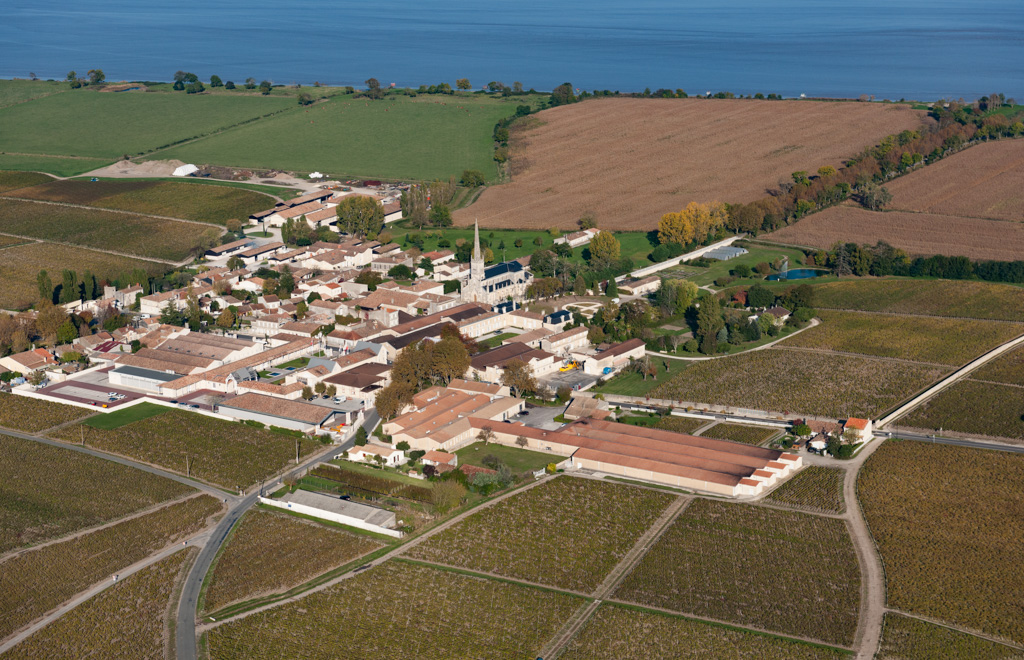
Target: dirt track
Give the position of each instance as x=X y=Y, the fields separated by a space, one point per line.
x=629 y=161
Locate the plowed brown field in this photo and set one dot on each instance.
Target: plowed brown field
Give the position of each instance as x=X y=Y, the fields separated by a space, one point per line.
x=917 y=233
x=986 y=181
x=628 y=161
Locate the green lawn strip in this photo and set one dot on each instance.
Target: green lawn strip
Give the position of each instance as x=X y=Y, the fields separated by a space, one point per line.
x=487 y=576
x=56 y=165
x=718 y=624
x=494 y=342
x=630 y=383
x=125 y=416
x=13 y=92
x=756 y=254
x=377 y=472
x=297 y=363
x=518 y=460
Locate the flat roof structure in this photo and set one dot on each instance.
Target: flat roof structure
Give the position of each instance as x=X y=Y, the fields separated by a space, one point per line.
x=368 y=514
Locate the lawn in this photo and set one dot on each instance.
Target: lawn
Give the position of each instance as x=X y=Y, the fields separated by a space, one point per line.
x=123 y=416
x=48 y=492
x=203 y=202
x=779 y=380
x=13 y=180
x=401 y=610
x=20 y=265
x=421 y=138
x=33 y=415
x=617 y=632
x=106 y=230
x=127 y=621
x=756 y=254
x=935 y=340
x=34 y=582
x=56 y=165
x=272 y=552
x=518 y=460
x=19 y=91
x=947 y=523
x=906 y=637
x=228 y=454
x=974 y=408
x=567 y=533
x=358 y=468
x=749 y=435
x=630 y=383
x=963 y=299
x=726 y=561
x=104 y=125
x=815 y=488
x=297 y=363
x=495 y=341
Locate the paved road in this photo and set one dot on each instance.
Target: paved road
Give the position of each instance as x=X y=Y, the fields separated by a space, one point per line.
x=185 y=632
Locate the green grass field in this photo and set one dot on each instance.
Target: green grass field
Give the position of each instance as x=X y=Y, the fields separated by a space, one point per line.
x=19 y=91
x=107 y=125
x=426 y=137
x=518 y=460
x=125 y=416
x=178 y=199
x=757 y=254
x=56 y=165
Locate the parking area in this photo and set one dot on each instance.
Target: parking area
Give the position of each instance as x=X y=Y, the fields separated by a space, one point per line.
x=542 y=417
x=102 y=396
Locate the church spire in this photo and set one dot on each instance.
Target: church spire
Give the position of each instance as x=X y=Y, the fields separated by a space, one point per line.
x=477 y=252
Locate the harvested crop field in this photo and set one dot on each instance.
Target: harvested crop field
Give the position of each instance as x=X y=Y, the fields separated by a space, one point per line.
x=401 y=610
x=127 y=621
x=228 y=454
x=748 y=435
x=567 y=533
x=38 y=482
x=129 y=233
x=617 y=632
x=815 y=488
x=936 y=340
x=13 y=180
x=36 y=581
x=973 y=408
x=272 y=552
x=20 y=264
x=791 y=381
x=628 y=161
x=177 y=199
x=919 y=234
x=23 y=413
x=985 y=181
x=907 y=638
x=947 y=523
x=721 y=560
x=953 y=298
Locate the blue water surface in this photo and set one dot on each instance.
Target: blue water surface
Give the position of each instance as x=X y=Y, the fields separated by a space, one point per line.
x=923 y=49
x=798 y=274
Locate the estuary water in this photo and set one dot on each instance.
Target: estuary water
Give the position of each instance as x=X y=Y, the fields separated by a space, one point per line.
x=921 y=49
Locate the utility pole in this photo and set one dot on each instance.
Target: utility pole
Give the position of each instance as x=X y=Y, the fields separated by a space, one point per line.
x=82 y=430
x=188 y=467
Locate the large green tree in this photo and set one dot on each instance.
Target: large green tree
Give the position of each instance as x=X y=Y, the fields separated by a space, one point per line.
x=709 y=323
x=360 y=215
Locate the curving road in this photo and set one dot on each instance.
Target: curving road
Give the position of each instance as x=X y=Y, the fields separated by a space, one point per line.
x=185 y=631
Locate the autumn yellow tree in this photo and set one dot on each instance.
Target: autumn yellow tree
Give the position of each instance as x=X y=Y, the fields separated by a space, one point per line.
x=605 y=248
x=694 y=222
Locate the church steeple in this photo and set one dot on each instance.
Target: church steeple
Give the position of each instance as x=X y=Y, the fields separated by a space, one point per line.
x=477 y=252
x=473 y=291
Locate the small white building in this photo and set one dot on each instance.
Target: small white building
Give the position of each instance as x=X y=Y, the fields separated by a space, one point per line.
x=392 y=457
x=185 y=170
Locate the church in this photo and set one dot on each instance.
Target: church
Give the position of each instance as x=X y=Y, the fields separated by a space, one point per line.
x=493 y=284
